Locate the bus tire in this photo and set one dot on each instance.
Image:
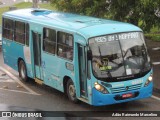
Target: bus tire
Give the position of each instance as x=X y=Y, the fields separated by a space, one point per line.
x=71 y=91
x=22 y=71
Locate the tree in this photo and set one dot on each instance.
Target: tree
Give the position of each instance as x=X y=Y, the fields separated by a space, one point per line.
x=138 y=12
x=35 y=3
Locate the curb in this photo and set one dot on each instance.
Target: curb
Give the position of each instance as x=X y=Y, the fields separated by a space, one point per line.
x=156 y=90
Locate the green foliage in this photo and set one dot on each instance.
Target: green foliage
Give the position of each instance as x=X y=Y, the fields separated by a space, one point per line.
x=154 y=37
x=138 y=12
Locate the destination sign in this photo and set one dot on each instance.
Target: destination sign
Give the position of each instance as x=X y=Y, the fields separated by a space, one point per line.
x=114 y=37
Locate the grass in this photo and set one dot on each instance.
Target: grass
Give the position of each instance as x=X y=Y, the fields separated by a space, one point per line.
x=24 y=5
x=154 y=33
x=47 y=6
x=153 y=36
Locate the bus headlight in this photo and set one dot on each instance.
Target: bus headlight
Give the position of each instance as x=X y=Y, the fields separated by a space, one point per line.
x=150 y=78
x=100 y=88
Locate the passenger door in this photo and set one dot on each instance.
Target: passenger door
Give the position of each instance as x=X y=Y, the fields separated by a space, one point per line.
x=36 y=37
x=82 y=71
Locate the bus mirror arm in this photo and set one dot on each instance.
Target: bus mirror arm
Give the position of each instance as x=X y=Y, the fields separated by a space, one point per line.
x=89 y=55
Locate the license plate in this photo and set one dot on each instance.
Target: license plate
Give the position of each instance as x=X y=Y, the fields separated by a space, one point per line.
x=128 y=95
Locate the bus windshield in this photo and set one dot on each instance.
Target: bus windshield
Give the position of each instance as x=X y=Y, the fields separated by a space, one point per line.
x=119 y=55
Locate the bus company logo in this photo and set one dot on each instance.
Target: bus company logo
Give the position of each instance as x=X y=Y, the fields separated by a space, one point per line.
x=127 y=87
x=6 y=114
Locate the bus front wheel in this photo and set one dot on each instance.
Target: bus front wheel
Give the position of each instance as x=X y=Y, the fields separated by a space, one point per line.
x=71 y=91
x=22 y=71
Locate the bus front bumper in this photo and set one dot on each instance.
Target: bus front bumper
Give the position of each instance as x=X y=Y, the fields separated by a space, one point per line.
x=99 y=99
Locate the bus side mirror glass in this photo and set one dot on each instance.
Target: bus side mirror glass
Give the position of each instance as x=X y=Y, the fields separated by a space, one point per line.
x=89 y=55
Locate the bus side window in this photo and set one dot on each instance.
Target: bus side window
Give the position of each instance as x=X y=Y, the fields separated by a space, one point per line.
x=49 y=40
x=19 y=32
x=8 y=28
x=65 y=45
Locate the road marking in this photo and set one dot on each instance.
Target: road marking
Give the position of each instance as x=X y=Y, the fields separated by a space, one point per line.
x=18 y=81
x=156 y=63
x=4 y=77
x=157 y=48
x=17 y=91
x=7 y=81
x=154 y=97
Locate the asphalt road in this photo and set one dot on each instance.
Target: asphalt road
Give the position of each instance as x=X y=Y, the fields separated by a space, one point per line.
x=33 y=96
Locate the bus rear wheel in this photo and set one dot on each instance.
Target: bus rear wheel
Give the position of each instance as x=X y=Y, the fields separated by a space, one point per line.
x=71 y=91
x=22 y=71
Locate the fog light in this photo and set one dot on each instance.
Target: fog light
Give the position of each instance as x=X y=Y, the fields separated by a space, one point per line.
x=100 y=88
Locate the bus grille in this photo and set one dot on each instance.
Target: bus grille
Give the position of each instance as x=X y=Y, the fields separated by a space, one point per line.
x=123 y=89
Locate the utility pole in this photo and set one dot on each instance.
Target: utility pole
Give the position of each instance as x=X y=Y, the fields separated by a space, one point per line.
x=35 y=3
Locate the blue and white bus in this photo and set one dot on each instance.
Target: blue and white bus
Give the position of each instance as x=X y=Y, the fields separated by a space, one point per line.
x=94 y=60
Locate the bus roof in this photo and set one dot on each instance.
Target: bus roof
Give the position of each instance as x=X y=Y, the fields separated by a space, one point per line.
x=87 y=26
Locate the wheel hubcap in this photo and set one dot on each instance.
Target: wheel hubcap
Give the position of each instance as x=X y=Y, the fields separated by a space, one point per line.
x=22 y=71
x=71 y=90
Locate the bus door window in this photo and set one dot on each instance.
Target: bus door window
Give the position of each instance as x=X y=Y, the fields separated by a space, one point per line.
x=27 y=34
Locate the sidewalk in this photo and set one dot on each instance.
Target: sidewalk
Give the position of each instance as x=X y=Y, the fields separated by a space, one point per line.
x=9 y=2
